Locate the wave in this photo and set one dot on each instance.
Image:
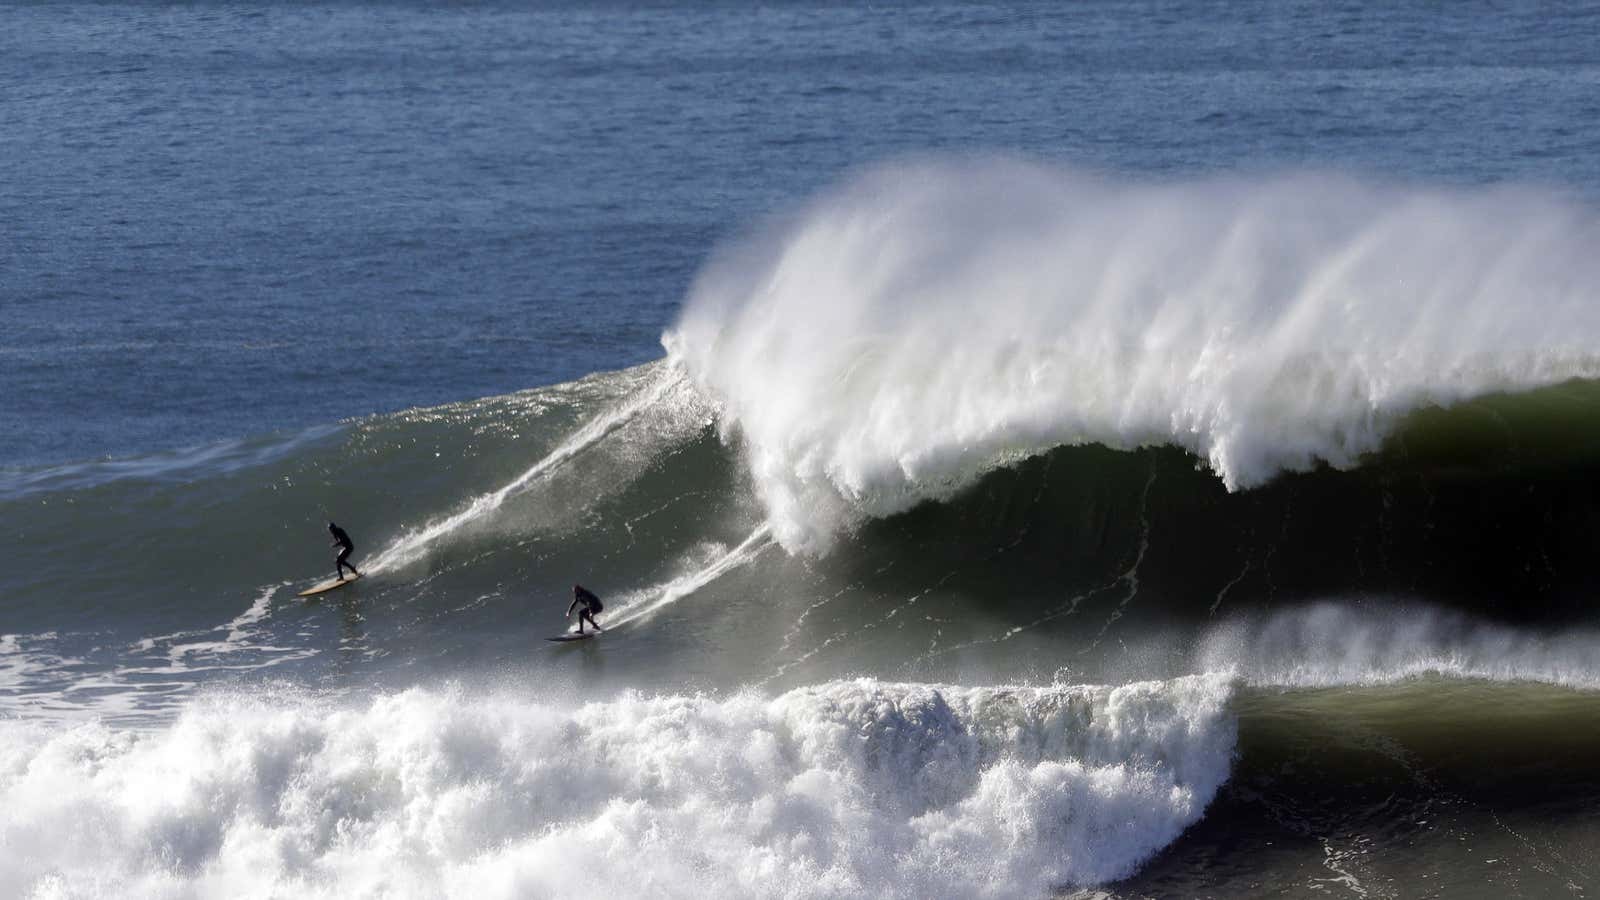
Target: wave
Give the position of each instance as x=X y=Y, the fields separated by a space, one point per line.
x=1068 y=555
x=923 y=323
x=847 y=788
x=970 y=400
x=1330 y=644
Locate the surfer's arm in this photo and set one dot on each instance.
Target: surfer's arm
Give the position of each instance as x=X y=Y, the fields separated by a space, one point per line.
x=571 y=606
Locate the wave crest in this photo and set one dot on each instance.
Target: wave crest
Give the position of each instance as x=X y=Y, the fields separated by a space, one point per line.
x=923 y=323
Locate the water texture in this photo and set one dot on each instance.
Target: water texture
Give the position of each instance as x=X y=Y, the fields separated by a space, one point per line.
x=1108 y=450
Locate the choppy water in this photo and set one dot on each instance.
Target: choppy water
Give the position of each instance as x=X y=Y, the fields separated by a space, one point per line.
x=1136 y=449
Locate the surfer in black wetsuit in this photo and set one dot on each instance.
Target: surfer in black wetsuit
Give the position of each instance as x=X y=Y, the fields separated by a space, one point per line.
x=582 y=596
x=342 y=541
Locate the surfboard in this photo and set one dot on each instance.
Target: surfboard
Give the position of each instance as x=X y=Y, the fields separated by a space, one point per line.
x=328 y=585
x=572 y=636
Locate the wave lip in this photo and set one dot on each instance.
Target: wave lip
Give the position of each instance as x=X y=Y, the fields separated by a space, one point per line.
x=923 y=323
x=844 y=788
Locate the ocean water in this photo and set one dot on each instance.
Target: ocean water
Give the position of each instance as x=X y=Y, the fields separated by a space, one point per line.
x=1102 y=450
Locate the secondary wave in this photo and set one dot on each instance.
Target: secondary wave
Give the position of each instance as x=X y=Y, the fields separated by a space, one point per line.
x=923 y=323
x=847 y=788
x=1328 y=644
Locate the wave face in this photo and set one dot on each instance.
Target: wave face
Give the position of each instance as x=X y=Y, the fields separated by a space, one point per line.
x=850 y=788
x=923 y=323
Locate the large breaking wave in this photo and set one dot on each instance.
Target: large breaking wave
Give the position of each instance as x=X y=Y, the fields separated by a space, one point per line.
x=1045 y=354
x=921 y=323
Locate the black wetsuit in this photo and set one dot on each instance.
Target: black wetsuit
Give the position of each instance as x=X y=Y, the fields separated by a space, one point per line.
x=342 y=541
x=590 y=603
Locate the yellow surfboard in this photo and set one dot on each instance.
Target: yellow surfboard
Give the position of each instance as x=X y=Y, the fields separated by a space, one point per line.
x=329 y=585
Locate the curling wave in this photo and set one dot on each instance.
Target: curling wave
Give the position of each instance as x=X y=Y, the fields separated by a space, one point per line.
x=923 y=323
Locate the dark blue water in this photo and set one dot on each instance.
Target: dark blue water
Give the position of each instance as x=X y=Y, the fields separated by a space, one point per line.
x=220 y=220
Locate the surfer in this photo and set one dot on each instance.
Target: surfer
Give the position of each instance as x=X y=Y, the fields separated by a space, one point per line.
x=582 y=596
x=342 y=541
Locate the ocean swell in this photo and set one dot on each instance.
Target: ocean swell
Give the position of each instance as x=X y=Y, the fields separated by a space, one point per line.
x=922 y=323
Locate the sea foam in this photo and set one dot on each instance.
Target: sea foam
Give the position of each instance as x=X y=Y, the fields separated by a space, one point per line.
x=848 y=788
x=925 y=322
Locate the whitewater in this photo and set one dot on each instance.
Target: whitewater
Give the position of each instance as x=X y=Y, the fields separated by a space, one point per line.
x=842 y=789
x=855 y=787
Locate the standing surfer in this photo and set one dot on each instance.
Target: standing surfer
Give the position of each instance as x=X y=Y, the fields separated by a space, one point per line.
x=582 y=596
x=342 y=541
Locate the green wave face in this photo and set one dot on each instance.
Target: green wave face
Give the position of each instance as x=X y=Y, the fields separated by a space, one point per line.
x=475 y=520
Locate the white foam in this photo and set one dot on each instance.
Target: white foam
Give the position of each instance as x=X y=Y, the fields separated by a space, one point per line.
x=854 y=788
x=239 y=649
x=923 y=323
x=25 y=658
x=1327 y=644
x=243 y=625
x=152 y=674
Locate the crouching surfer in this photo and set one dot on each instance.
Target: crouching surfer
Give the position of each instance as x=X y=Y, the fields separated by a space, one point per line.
x=342 y=541
x=587 y=605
